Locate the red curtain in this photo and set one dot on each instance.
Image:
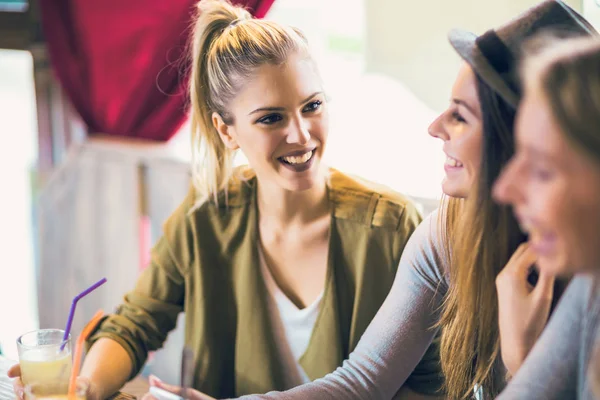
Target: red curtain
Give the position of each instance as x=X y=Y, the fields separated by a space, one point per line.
x=120 y=61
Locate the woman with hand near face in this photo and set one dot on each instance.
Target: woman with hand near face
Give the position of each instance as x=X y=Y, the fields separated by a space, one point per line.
x=553 y=184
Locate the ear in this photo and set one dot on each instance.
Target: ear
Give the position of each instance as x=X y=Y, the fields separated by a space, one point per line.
x=225 y=131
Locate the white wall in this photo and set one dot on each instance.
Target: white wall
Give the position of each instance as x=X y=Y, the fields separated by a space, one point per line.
x=591 y=11
x=18 y=124
x=407 y=40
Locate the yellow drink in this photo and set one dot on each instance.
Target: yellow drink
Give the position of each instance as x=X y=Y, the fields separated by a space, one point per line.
x=46 y=367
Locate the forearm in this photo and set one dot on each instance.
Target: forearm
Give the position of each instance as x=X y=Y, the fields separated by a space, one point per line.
x=107 y=366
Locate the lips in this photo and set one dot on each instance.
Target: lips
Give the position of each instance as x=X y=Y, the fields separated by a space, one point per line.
x=542 y=242
x=298 y=161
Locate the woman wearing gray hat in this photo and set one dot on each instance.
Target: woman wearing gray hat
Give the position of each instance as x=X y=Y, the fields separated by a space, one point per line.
x=447 y=274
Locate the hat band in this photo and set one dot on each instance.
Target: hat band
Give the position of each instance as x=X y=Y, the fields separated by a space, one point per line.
x=498 y=56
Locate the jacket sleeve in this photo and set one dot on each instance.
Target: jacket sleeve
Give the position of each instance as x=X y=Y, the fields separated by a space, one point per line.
x=149 y=312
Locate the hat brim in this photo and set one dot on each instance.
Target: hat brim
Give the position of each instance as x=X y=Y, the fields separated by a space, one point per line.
x=464 y=44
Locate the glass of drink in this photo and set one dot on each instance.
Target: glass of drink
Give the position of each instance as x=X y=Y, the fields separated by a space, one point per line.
x=45 y=367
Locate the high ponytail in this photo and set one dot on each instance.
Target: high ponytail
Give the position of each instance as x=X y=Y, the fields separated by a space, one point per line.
x=228 y=45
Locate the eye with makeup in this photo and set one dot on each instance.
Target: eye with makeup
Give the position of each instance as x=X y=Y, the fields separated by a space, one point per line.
x=270 y=119
x=273 y=118
x=457 y=117
x=313 y=106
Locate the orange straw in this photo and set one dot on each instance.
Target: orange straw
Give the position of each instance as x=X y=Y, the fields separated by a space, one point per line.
x=87 y=330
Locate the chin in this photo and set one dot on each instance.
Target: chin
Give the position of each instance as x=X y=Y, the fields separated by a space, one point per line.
x=556 y=265
x=297 y=182
x=454 y=189
x=298 y=185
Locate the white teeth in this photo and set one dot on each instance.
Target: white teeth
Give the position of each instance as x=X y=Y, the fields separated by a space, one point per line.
x=298 y=159
x=452 y=162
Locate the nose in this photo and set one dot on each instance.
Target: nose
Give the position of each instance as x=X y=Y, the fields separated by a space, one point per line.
x=436 y=129
x=299 y=132
x=507 y=188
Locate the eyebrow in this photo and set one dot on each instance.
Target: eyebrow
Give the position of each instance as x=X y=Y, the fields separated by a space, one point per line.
x=463 y=103
x=539 y=155
x=281 y=108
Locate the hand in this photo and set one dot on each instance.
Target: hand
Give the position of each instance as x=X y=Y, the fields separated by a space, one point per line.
x=192 y=394
x=19 y=388
x=522 y=309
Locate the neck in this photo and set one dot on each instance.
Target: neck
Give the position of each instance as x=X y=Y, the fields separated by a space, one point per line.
x=284 y=207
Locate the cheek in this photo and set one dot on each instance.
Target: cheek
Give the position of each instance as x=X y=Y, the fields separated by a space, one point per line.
x=258 y=146
x=550 y=203
x=320 y=128
x=584 y=226
x=557 y=211
x=469 y=149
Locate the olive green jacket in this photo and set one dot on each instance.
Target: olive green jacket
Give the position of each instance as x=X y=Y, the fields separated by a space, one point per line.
x=207 y=266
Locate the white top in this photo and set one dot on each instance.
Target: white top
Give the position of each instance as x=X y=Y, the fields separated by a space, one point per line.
x=292 y=327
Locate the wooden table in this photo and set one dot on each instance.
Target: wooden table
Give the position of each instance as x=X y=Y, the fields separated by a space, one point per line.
x=136 y=387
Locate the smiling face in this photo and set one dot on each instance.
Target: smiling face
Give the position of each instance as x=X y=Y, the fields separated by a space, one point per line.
x=554 y=189
x=461 y=129
x=280 y=122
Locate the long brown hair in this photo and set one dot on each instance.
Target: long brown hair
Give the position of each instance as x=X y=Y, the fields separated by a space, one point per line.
x=479 y=237
x=568 y=74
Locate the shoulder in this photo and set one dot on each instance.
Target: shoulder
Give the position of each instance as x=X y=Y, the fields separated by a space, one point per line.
x=239 y=193
x=193 y=219
x=425 y=254
x=370 y=203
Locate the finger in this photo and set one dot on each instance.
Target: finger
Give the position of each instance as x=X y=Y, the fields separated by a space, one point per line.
x=154 y=381
x=14 y=371
x=520 y=250
x=18 y=388
x=544 y=289
x=520 y=263
x=148 y=396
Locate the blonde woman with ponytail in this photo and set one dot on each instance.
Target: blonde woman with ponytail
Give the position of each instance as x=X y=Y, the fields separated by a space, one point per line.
x=279 y=266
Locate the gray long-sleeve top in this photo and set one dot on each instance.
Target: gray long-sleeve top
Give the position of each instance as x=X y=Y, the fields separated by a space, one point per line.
x=561 y=365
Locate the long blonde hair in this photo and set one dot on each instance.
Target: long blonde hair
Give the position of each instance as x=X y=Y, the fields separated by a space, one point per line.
x=228 y=45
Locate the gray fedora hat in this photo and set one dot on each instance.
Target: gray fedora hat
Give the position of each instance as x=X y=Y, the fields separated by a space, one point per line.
x=494 y=55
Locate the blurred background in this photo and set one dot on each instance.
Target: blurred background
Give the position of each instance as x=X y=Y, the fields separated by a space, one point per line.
x=96 y=142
